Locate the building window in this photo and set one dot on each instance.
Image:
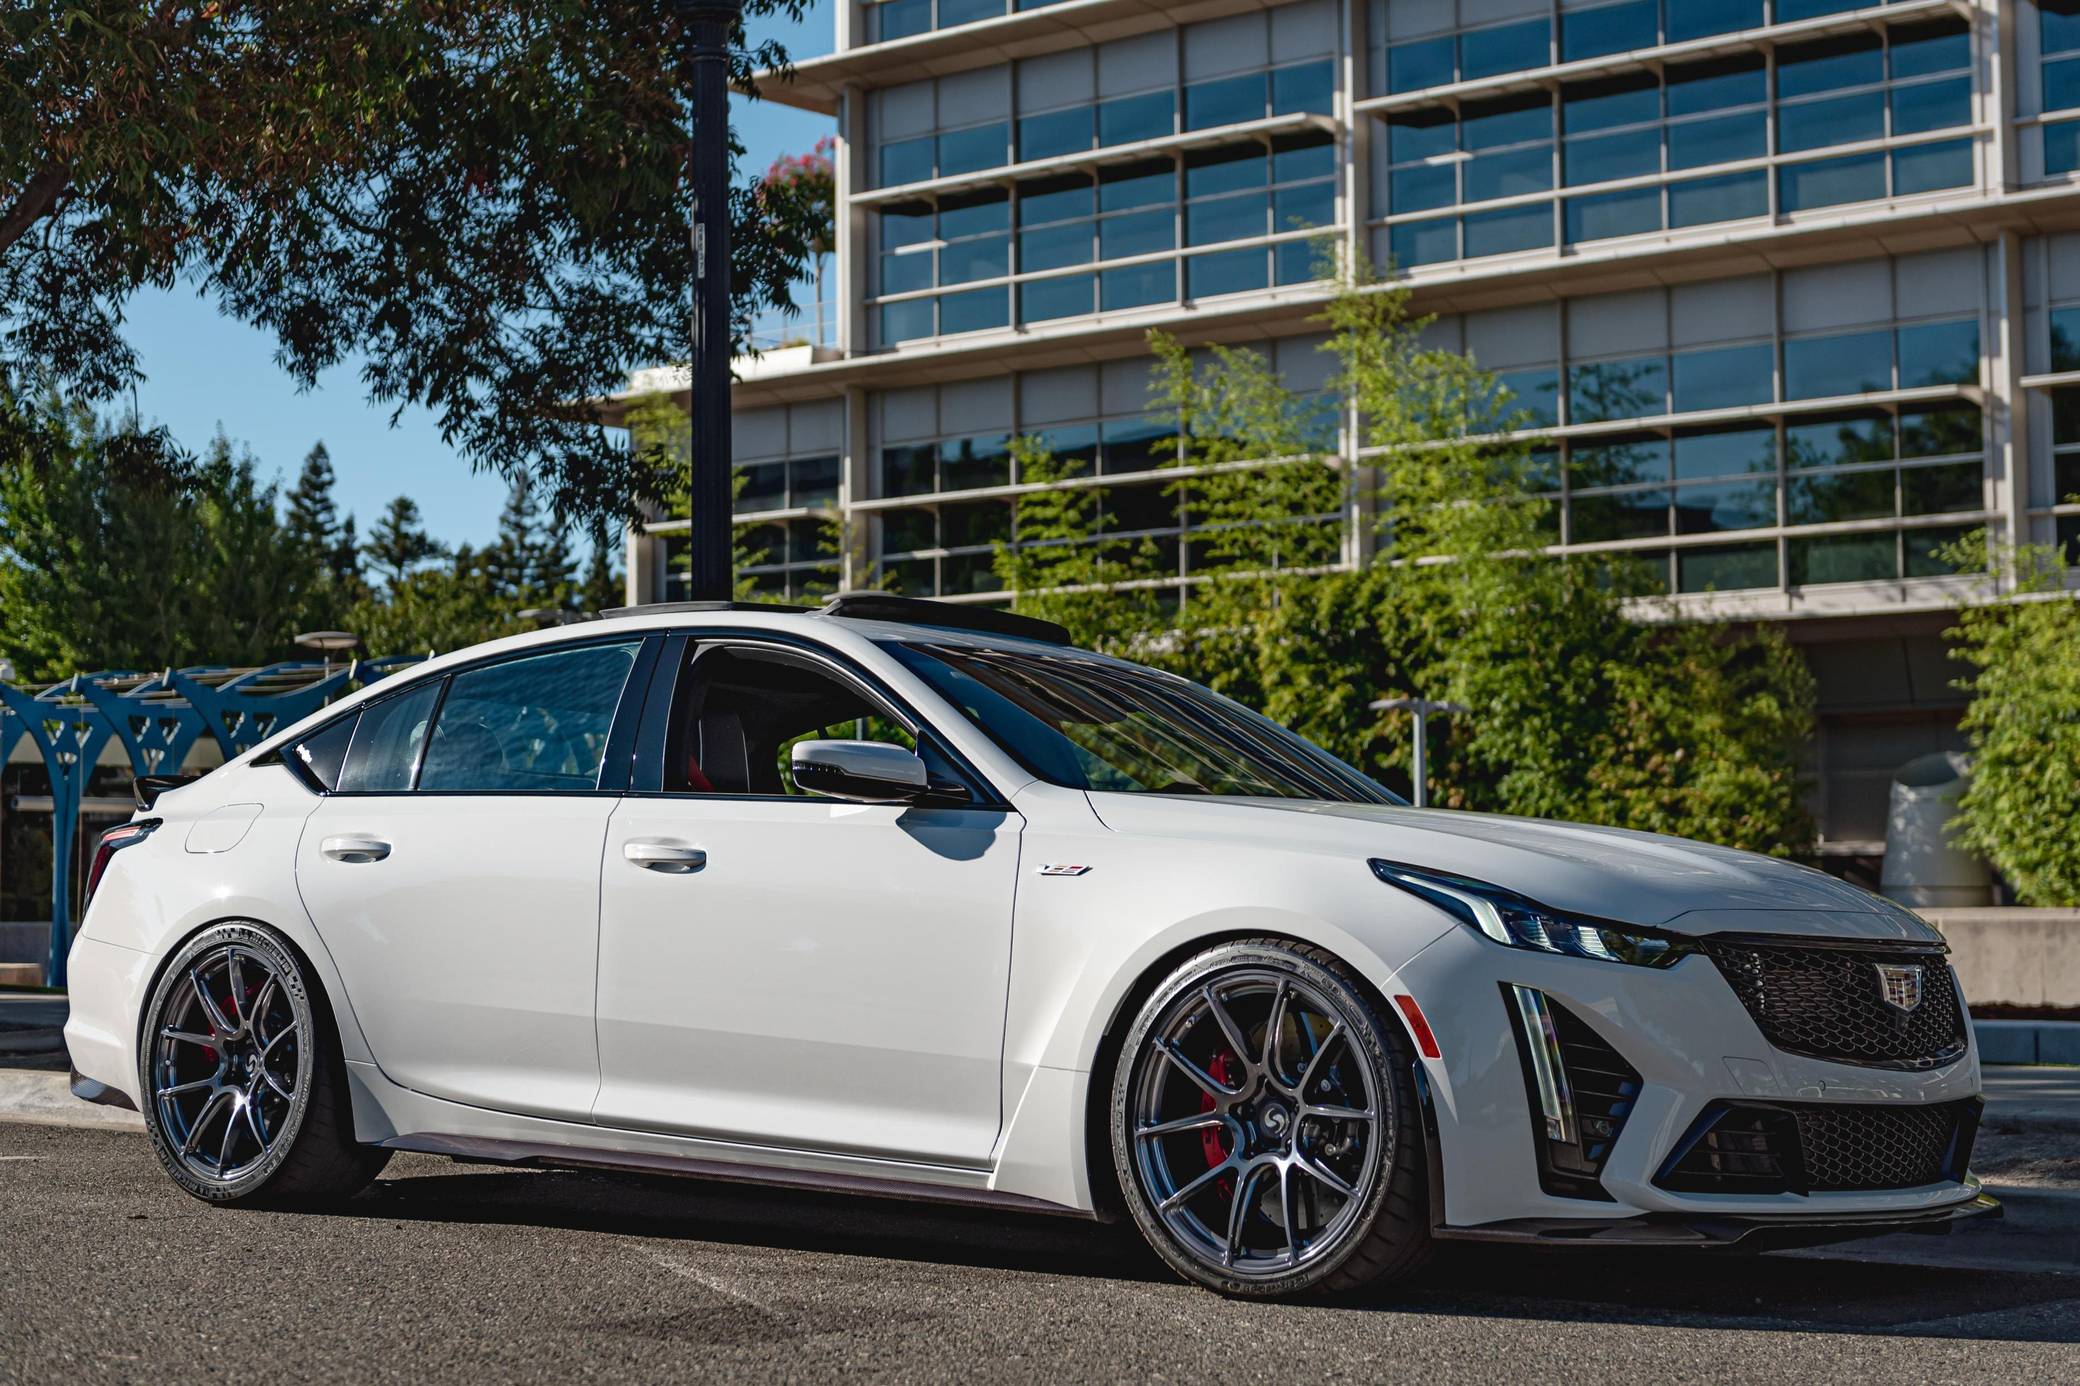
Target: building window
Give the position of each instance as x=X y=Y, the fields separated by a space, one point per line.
x=1269 y=192
x=1615 y=133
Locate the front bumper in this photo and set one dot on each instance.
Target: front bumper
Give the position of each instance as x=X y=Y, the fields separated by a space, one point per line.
x=1693 y=1044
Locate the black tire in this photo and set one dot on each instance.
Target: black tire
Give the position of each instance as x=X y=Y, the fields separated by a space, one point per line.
x=1381 y=1232
x=308 y=1154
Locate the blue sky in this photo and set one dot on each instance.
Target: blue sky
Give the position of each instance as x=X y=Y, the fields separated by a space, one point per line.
x=205 y=372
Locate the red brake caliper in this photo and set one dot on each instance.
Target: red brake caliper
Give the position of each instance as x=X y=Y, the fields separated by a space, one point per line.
x=1223 y=1070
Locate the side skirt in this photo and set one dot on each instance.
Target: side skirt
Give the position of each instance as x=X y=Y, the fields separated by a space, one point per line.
x=505 y=1152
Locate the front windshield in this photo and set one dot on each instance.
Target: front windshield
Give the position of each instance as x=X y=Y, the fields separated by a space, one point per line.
x=1102 y=724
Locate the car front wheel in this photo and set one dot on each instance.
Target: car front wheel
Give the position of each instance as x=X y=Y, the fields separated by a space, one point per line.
x=1264 y=1126
x=245 y=1092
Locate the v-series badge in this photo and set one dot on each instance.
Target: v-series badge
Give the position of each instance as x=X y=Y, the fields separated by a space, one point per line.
x=1057 y=869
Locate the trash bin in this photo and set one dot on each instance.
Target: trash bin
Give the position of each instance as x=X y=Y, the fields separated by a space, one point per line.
x=1923 y=868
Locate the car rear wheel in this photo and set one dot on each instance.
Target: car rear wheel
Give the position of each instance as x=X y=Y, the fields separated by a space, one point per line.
x=1264 y=1126
x=245 y=1091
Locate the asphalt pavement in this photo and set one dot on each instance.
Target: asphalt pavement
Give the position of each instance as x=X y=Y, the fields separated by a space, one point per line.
x=444 y=1271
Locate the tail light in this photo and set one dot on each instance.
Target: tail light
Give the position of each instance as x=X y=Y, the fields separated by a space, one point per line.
x=111 y=842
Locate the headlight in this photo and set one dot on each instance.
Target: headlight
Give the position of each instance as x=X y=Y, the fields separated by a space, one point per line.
x=1513 y=920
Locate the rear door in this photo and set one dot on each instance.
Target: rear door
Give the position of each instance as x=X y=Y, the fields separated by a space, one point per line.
x=454 y=876
x=787 y=970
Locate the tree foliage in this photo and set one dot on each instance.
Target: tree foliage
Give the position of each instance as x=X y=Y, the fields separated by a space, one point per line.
x=2021 y=808
x=1576 y=709
x=483 y=203
x=112 y=560
x=115 y=558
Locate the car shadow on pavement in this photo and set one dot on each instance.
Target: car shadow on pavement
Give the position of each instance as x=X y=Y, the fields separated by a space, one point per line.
x=1700 y=1289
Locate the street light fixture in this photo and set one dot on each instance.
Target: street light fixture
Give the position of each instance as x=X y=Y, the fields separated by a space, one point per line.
x=328 y=641
x=1424 y=709
x=709 y=24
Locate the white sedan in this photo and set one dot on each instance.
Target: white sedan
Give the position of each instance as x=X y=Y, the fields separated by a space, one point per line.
x=914 y=899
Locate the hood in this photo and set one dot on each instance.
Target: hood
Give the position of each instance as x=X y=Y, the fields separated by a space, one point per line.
x=1608 y=873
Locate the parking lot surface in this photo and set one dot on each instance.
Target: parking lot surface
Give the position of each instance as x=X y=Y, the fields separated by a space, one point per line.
x=519 y=1276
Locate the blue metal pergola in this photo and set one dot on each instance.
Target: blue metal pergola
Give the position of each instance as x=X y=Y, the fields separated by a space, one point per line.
x=157 y=719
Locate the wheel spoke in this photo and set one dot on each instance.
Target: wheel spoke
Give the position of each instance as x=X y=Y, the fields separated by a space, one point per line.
x=1322 y=1174
x=230 y=1132
x=217 y=1023
x=251 y=1107
x=1238 y=1212
x=268 y=1075
x=1285 y=1214
x=202 y=1117
x=1314 y=1065
x=1197 y=1121
x=260 y=1002
x=279 y=1036
x=1279 y=1006
x=179 y=1088
x=237 y=977
x=1197 y=1186
x=1337 y=1113
x=1212 y=1086
x=1227 y=1023
x=188 y=1037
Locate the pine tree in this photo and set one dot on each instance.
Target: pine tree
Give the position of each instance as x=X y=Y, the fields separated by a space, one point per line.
x=399 y=543
x=603 y=587
x=552 y=569
x=510 y=560
x=310 y=517
x=344 y=561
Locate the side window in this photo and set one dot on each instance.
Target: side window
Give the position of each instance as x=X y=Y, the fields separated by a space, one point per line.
x=738 y=713
x=324 y=751
x=538 y=723
x=387 y=738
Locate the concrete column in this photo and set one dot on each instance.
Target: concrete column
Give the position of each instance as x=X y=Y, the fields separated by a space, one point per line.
x=2007 y=406
x=855 y=477
x=851 y=243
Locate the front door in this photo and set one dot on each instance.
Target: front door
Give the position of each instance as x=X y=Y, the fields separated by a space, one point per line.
x=458 y=889
x=781 y=969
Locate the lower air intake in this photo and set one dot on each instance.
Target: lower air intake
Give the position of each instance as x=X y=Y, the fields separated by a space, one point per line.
x=1821 y=1147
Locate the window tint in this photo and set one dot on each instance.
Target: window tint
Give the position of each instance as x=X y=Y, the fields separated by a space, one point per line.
x=386 y=742
x=324 y=751
x=739 y=711
x=538 y=723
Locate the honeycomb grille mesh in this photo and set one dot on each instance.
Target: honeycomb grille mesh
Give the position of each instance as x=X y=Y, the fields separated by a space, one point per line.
x=1759 y=1148
x=1875 y=1147
x=1827 y=1003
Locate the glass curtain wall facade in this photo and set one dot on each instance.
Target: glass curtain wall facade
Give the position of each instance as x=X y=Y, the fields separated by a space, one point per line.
x=1788 y=289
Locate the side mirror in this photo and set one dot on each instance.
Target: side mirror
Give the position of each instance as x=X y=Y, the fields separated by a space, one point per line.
x=862 y=772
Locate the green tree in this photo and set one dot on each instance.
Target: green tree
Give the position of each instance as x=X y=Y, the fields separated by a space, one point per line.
x=117 y=552
x=314 y=523
x=441 y=607
x=483 y=202
x=399 y=544
x=2021 y=809
x=602 y=588
x=1061 y=564
x=1577 y=709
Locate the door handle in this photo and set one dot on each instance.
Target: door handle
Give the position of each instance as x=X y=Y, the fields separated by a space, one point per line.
x=673 y=858
x=354 y=850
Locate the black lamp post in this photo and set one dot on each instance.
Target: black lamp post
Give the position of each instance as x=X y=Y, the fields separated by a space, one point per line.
x=709 y=23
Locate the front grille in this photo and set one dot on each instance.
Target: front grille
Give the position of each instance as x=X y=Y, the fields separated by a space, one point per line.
x=1828 y=1002
x=1816 y=1147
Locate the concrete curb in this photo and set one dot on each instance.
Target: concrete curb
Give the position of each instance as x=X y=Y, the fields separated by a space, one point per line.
x=46 y=1098
x=2028 y=1041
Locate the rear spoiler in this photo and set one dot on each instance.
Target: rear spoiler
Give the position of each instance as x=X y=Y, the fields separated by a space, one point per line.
x=150 y=787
